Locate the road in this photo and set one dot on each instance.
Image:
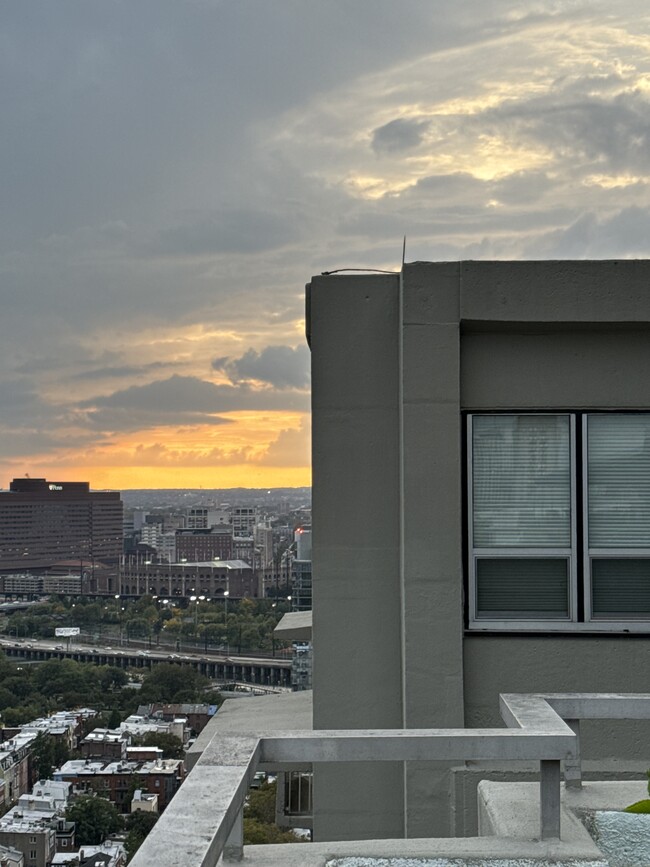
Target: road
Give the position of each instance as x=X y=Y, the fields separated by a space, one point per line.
x=271 y=672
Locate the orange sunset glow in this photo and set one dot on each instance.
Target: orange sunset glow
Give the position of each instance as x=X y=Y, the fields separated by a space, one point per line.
x=168 y=194
x=252 y=449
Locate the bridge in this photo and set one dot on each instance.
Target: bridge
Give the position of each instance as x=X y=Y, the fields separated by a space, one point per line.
x=221 y=667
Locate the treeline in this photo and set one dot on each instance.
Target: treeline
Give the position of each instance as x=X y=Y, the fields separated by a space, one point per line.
x=30 y=691
x=244 y=625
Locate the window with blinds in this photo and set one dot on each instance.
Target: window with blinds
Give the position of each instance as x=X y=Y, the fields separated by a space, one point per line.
x=617 y=496
x=521 y=517
x=529 y=497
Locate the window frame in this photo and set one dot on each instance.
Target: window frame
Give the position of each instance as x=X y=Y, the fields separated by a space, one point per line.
x=592 y=553
x=580 y=616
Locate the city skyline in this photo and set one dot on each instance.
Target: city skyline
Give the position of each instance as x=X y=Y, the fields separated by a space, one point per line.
x=174 y=172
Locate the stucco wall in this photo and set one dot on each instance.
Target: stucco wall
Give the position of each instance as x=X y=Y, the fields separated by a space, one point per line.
x=567 y=663
x=393 y=366
x=356 y=619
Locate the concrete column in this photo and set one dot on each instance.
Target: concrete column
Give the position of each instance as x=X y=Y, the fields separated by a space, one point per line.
x=573 y=767
x=549 y=797
x=353 y=323
x=234 y=848
x=431 y=528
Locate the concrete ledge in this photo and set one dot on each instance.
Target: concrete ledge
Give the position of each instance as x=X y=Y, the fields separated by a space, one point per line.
x=511 y=810
x=278 y=712
x=409 y=853
x=294 y=626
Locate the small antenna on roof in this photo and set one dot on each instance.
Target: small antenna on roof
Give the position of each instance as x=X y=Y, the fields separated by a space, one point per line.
x=403 y=251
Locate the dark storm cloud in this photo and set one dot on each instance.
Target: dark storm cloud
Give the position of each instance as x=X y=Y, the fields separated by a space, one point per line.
x=186 y=399
x=279 y=366
x=397 y=135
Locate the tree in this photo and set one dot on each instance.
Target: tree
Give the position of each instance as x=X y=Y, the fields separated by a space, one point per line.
x=114 y=719
x=43 y=756
x=259 y=818
x=138 y=825
x=111 y=677
x=171 y=746
x=95 y=818
x=48 y=752
x=261 y=803
x=170 y=683
x=259 y=833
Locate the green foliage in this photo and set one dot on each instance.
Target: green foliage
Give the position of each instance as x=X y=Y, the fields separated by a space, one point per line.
x=639 y=807
x=138 y=825
x=259 y=818
x=111 y=677
x=170 y=683
x=114 y=719
x=7 y=698
x=170 y=745
x=95 y=819
x=58 y=676
x=48 y=752
x=43 y=756
x=17 y=716
x=259 y=833
x=261 y=803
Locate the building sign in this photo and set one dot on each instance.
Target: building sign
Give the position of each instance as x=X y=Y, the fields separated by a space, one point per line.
x=66 y=631
x=53 y=487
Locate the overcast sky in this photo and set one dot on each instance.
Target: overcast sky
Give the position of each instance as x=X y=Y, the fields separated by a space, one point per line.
x=174 y=171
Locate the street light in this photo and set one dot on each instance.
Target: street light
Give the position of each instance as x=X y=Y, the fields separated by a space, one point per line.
x=196 y=600
x=226 y=594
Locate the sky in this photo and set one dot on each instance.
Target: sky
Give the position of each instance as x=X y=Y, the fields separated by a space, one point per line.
x=174 y=171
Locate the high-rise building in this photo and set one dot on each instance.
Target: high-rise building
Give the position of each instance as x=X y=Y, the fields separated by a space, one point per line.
x=243 y=520
x=301 y=571
x=264 y=544
x=213 y=544
x=44 y=523
x=202 y=518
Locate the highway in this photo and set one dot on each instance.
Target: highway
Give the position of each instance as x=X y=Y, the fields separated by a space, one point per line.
x=218 y=666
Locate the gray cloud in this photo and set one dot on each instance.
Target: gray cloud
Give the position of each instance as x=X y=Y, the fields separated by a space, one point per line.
x=119 y=372
x=623 y=234
x=182 y=400
x=603 y=129
x=397 y=135
x=237 y=230
x=187 y=166
x=279 y=366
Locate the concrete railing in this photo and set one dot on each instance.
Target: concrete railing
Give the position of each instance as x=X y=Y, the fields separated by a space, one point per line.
x=204 y=819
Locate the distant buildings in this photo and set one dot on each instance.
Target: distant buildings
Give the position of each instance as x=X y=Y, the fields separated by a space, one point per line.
x=206 y=578
x=213 y=543
x=210 y=534
x=301 y=571
x=114 y=779
x=60 y=526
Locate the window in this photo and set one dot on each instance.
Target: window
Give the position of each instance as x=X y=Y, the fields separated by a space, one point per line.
x=559 y=520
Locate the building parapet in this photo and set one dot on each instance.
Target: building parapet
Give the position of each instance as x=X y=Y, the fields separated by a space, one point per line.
x=206 y=818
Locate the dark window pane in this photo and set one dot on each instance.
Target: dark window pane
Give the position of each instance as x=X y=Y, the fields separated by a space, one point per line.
x=620 y=587
x=523 y=588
